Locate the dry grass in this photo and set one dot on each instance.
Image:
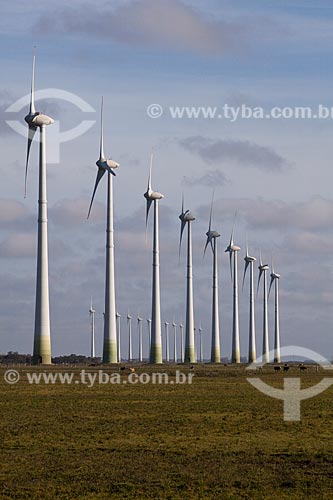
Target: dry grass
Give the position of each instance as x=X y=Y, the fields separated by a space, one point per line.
x=218 y=438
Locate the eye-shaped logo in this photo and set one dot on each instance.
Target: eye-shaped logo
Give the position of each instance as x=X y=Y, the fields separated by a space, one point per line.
x=292 y=394
x=55 y=136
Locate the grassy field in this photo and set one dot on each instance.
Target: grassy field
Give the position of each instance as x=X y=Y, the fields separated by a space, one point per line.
x=218 y=438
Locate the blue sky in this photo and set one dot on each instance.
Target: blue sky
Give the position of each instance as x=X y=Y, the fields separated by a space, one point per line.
x=176 y=53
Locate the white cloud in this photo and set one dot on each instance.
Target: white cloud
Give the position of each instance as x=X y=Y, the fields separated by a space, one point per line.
x=149 y=23
x=243 y=153
x=18 y=245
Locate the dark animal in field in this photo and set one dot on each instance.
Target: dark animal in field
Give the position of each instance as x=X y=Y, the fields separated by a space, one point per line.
x=286 y=368
x=277 y=368
x=132 y=370
x=302 y=368
x=122 y=368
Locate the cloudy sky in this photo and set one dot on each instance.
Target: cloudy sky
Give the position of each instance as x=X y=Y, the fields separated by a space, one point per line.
x=276 y=173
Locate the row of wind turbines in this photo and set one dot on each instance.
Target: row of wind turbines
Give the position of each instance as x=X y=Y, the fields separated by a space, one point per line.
x=169 y=356
x=111 y=344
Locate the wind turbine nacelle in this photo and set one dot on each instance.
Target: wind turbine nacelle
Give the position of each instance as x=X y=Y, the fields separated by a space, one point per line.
x=41 y=120
x=188 y=217
x=264 y=268
x=235 y=248
x=156 y=196
x=112 y=164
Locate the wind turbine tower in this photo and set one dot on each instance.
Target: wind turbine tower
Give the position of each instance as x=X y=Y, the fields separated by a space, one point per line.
x=249 y=263
x=233 y=251
x=275 y=279
x=129 y=324
x=156 y=333
x=140 y=336
x=149 y=335
x=263 y=270
x=118 y=316
x=42 y=336
x=92 y=317
x=212 y=241
x=174 y=326
x=187 y=218
x=181 y=327
x=110 y=354
x=201 y=346
x=167 y=355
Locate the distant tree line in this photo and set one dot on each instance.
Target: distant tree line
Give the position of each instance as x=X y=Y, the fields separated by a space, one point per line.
x=14 y=358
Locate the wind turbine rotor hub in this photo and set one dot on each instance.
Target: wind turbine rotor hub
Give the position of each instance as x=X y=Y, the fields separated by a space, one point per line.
x=188 y=217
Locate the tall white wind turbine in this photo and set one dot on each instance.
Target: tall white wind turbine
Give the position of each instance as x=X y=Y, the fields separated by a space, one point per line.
x=156 y=333
x=263 y=270
x=92 y=340
x=118 y=316
x=167 y=353
x=187 y=218
x=249 y=263
x=200 y=341
x=129 y=324
x=110 y=354
x=174 y=326
x=233 y=249
x=149 y=335
x=275 y=279
x=140 y=336
x=42 y=336
x=182 y=353
x=212 y=241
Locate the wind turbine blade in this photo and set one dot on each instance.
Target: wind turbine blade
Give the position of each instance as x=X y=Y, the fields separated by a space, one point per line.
x=32 y=95
x=211 y=211
x=260 y=258
x=31 y=133
x=233 y=228
x=270 y=285
x=245 y=269
x=272 y=265
x=182 y=227
x=150 y=171
x=230 y=262
x=260 y=273
x=101 y=149
x=149 y=202
x=100 y=174
x=182 y=202
x=207 y=243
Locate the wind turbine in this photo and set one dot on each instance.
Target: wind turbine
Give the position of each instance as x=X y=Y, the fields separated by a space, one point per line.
x=118 y=316
x=201 y=346
x=187 y=218
x=263 y=269
x=174 y=326
x=129 y=324
x=42 y=336
x=212 y=241
x=156 y=333
x=140 y=336
x=232 y=249
x=249 y=263
x=166 y=324
x=92 y=317
x=149 y=335
x=110 y=354
x=181 y=327
x=275 y=279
